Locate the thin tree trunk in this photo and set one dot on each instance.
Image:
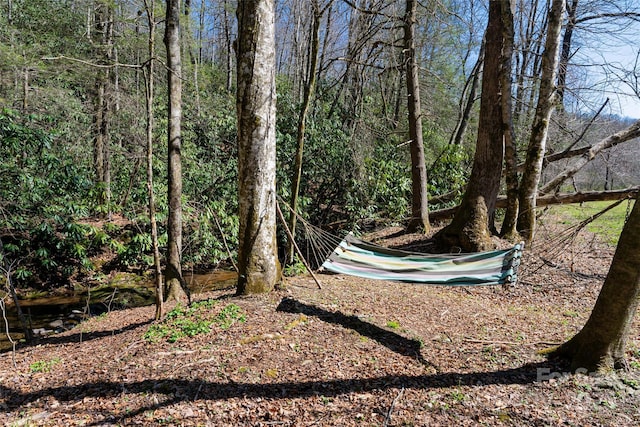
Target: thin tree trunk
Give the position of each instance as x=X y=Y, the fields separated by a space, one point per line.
x=306 y=102
x=419 y=202
x=538 y=139
x=28 y=333
x=468 y=99
x=602 y=341
x=528 y=51
x=25 y=91
x=228 y=44
x=566 y=51
x=102 y=103
x=175 y=285
x=150 y=90
x=258 y=265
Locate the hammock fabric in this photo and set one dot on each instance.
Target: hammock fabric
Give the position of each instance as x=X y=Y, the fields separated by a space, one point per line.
x=358 y=258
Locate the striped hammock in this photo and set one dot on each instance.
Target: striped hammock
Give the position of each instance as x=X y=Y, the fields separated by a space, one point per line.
x=358 y=258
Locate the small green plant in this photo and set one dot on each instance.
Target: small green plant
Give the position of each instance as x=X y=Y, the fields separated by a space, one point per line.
x=229 y=315
x=43 y=365
x=393 y=324
x=182 y=322
x=458 y=396
x=296 y=268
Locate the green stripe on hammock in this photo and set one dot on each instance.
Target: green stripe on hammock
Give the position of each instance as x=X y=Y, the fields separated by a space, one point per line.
x=358 y=258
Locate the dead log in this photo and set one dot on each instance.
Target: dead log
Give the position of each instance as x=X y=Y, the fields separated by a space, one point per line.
x=553 y=199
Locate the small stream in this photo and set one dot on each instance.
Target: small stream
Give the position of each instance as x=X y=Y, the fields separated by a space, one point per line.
x=54 y=314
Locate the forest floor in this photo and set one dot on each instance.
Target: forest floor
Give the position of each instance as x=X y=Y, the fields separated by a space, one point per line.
x=355 y=353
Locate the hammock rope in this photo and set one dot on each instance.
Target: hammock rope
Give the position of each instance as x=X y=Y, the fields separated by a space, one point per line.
x=554 y=247
x=352 y=256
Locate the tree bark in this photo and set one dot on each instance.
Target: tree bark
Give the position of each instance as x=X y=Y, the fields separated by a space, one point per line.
x=173 y=272
x=102 y=103
x=470 y=229
x=149 y=95
x=510 y=150
x=306 y=102
x=228 y=46
x=258 y=265
x=539 y=132
x=419 y=202
x=601 y=343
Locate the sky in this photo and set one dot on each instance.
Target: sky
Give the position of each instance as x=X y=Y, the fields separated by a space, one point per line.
x=614 y=54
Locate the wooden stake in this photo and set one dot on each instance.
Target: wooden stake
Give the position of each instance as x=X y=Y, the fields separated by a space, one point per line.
x=291 y=239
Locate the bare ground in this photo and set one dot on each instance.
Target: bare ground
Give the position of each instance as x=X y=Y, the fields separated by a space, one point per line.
x=357 y=352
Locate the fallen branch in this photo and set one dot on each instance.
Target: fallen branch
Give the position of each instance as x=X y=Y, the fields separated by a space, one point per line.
x=624 y=135
x=491 y=342
x=390 y=411
x=553 y=199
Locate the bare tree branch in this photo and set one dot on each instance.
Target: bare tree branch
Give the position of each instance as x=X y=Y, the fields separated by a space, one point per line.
x=624 y=135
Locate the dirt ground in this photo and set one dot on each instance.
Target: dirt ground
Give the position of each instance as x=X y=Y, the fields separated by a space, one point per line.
x=355 y=353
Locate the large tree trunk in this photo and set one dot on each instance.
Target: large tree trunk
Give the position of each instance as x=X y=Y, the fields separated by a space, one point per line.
x=173 y=272
x=419 y=204
x=601 y=342
x=470 y=228
x=538 y=139
x=508 y=230
x=258 y=265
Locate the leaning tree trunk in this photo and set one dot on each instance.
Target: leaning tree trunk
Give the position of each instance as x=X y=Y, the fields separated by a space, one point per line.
x=540 y=129
x=601 y=342
x=468 y=99
x=419 y=204
x=258 y=265
x=175 y=285
x=470 y=229
x=309 y=88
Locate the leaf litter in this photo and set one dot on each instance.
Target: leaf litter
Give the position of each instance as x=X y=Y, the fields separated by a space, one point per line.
x=358 y=352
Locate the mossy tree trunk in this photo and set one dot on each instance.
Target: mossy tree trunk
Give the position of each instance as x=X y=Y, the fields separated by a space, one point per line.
x=600 y=345
x=258 y=265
